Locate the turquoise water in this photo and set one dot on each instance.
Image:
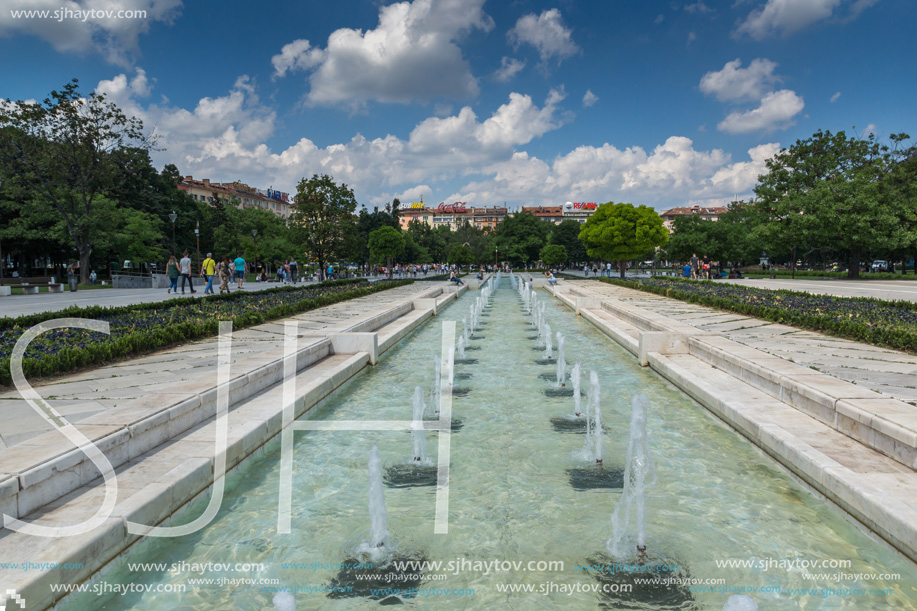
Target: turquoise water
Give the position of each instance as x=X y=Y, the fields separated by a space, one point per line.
x=717 y=498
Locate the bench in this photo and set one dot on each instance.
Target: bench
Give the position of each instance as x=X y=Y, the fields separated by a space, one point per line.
x=29 y=289
x=56 y=288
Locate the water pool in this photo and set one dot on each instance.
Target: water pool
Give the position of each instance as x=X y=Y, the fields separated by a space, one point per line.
x=717 y=498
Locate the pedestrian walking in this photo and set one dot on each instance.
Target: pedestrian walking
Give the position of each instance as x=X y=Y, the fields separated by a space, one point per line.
x=241 y=267
x=208 y=268
x=184 y=267
x=172 y=272
x=294 y=270
x=694 y=264
x=224 y=275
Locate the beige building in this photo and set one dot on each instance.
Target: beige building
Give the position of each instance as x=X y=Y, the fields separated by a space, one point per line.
x=247 y=197
x=707 y=214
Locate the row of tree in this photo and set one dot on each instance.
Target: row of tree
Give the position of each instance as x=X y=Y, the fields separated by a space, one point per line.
x=827 y=198
x=76 y=179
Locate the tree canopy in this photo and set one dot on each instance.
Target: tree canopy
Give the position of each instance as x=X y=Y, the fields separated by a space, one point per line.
x=521 y=237
x=323 y=218
x=619 y=232
x=834 y=189
x=385 y=243
x=553 y=254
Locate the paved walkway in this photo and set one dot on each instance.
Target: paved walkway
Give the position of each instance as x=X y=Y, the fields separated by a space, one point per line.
x=19 y=305
x=885 y=371
x=904 y=290
x=132 y=382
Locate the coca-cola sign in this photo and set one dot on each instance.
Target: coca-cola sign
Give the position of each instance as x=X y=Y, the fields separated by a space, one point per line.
x=456 y=207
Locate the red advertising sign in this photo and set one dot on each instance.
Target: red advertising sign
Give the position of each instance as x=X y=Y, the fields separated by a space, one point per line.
x=583 y=206
x=456 y=207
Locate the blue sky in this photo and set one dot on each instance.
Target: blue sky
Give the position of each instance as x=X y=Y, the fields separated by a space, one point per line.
x=525 y=102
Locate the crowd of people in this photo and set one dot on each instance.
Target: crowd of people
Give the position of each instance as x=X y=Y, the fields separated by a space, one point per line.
x=225 y=270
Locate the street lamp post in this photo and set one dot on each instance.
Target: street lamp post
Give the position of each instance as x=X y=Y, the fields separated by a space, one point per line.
x=255 y=238
x=496 y=251
x=172 y=218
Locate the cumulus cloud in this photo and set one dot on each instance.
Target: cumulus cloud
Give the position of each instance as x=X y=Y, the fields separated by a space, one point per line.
x=509 y=67
x=223 y=138
x=785 y=17
x=776 y=111
x=672 y=172
x=410 y=55
x=698 y=7
x=547 y=33
x=734 y=83
x=71 y=29
x=589 y=99
x=297 y=55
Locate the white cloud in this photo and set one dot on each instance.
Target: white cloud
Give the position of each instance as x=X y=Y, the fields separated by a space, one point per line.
x=69 y=31
x=835 y=97
x=589 y=99
x=547 y=33
x=692 y=36
x=698 y=7
x=788 y=16
x=673 y=172
x=734 y=83
x=509 y=67
x=659 y=19
x=870 y=130
x=410 y=55
x=223 y=138
x=776 y=111
x=297 y=55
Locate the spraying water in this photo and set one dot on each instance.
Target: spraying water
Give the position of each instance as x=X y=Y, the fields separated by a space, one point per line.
x=548 y=344
x=595 y=398
x=460 y=347
x=284 y=601
x=561 y=371
x=465 y=332
x=436 y=390
x=379 y=549
x=638 y=474
x=418 y=434
x=740 y=602
x=577 y=400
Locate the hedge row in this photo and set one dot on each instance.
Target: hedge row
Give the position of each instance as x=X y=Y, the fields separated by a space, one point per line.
x=891 y=324
x=153 y=326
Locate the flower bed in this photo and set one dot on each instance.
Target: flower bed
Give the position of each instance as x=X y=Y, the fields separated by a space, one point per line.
x=892 y=324
x=152 y=326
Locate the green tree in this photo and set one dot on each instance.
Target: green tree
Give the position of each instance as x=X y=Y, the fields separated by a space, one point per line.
x=323 y=217
x=619 y=232
x=553 y=254
x=693 y=235
x=460 y=255
x=566 y=234
x=66 y=150
x=828 y=190
x=521 y=237
x=386 y=243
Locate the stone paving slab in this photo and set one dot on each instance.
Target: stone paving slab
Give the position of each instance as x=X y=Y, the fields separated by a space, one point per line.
x=847 y=360
x=175 y=370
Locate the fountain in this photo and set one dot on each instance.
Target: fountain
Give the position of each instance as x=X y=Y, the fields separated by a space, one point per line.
x=419 y=471
x=377 y=558
x=596 y=475
x=577 y=398
x=740 y=602
x=639 y=473
x=284 y=601
x=460 y=347
x=436 y=389
x=418 y=434
x=625 y=546
x=465 y=332
x=548 y=344
x=575 y=422
x=561 y=371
